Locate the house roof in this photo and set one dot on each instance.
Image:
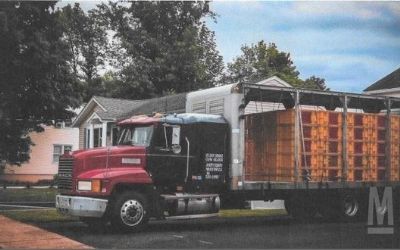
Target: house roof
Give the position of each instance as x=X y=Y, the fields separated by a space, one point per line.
x=166 y=104
x=109 y=108
x=113 y=107
x=388 y=82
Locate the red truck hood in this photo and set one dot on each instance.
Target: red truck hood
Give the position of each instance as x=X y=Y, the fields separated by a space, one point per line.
x=110 y=157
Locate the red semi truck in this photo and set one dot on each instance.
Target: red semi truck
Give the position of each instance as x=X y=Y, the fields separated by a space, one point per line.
x=189 y=165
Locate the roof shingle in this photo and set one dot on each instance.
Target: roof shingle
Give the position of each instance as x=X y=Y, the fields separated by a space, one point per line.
x=388 y=82
x=115 y=107
x=166 y=104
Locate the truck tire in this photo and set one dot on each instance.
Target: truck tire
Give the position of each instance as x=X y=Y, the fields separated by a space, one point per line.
x=130 y=212
x=346 y=207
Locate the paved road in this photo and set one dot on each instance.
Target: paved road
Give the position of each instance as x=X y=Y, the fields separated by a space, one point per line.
x=255 y=232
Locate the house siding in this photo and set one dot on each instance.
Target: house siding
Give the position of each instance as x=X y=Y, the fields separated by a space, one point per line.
x=81 y=137
x=83 y=125
x=41 y=165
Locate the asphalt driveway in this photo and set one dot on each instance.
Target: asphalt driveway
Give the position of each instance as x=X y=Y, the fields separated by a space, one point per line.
x=249 y=232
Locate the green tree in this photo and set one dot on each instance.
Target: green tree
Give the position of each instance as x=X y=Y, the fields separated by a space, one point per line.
x=36 y=85
x=88 y=44
x=315 y=82
x=262 y=61
x=163 y=47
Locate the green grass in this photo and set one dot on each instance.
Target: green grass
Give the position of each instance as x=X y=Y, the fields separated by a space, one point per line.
x=51 y=215
x=37 y=216
x=28 y=195
x=231 y=213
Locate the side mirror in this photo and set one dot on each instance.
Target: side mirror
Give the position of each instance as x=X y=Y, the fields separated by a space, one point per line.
x=176 y=138
x=176 y=134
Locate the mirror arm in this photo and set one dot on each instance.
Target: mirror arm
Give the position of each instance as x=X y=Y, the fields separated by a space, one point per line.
x=187 y=159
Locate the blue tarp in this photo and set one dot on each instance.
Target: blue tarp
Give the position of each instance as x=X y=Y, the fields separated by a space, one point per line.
x=189 y=118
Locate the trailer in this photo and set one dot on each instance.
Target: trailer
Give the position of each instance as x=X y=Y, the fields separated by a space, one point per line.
x=221 y=153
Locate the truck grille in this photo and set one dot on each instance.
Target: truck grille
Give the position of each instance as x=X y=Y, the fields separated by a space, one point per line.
x=65 y=167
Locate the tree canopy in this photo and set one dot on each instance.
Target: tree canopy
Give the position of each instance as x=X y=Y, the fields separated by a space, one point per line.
x=265 y=60
x=56 y=59
x=162 y=47
x=35 y=81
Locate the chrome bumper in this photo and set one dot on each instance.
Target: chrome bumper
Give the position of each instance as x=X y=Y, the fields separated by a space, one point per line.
x=81 y=206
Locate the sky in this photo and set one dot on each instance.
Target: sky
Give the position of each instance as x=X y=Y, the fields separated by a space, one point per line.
x=350 y=44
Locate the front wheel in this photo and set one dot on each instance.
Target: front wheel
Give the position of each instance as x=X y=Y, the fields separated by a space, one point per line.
x=130 y=212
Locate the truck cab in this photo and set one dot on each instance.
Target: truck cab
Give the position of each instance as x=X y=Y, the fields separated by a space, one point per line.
x=163 y=166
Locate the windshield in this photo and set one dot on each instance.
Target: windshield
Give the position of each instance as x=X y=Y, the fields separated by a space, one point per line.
x=136 y=136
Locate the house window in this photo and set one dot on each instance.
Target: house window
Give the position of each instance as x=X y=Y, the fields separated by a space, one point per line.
x=59 y=149
x=87 y=138
x=97 y=137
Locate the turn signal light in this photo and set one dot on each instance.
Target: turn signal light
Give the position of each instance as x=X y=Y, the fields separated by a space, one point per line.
x=96 y=186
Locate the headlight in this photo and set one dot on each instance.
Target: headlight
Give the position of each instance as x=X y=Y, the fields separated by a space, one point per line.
x=93 y=185
x=84 y=185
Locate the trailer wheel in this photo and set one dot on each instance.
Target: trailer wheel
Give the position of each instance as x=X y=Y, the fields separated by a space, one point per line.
x=130 y=212
x=347 y=207
x=350 y=206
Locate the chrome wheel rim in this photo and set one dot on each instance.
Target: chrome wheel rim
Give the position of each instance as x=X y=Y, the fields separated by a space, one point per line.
x=132 y=213
x=350 y=207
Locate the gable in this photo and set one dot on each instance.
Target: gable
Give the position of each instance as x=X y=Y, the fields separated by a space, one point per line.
x=274 y=81
x=390 y=81
x=106 y=108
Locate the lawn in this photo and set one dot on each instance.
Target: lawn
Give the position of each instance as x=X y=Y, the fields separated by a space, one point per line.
x=28 y=195
x=51 y=215
x=37 y=216
x=231 y=213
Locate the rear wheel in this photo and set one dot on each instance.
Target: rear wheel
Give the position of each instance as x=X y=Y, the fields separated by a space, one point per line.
x=130 y=212
x=346 y=207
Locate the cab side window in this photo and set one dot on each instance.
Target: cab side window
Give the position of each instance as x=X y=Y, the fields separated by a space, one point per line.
x=163 y=137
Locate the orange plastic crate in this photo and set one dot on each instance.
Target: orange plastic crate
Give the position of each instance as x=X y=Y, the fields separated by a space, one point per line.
x=366 y=138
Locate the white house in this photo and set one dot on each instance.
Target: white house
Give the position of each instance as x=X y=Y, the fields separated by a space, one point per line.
x=97 y=120
x=387 y=86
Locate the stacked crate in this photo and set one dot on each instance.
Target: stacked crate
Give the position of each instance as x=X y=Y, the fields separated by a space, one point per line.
x=378 y=147
x=285 y=145
x=261 y=148
x=355 y=150
x=321 y=150
x=395 y=148
x=334 y=144
x=366 y=137
x=313 y=135
x=270 y=146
